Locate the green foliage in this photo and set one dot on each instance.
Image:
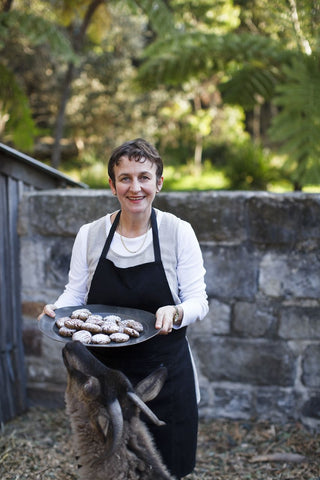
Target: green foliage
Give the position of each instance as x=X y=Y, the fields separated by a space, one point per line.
x=187 y=55
x=297 y=125
x=248 y=167
x=157 y=13
x=248 y=84
x=15 y=113
x=36 y=30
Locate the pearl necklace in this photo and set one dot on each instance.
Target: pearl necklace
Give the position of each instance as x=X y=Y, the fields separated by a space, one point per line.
x=143 y=241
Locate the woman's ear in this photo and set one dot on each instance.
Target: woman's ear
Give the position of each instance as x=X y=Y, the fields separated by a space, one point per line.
x=113 y=188
x=159 y=184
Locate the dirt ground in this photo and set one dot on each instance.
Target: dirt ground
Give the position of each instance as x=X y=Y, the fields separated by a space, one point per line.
x=38 y=446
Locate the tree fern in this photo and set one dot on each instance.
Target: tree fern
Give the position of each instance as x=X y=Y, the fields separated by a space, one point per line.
x=36 y=30
x=248 y=83
x=181 y=56
x=297 y=126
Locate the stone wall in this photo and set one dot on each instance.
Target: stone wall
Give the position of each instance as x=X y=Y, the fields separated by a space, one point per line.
x=258 y=350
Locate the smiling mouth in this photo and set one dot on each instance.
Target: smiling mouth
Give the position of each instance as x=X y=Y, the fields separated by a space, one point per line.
x=135 y=198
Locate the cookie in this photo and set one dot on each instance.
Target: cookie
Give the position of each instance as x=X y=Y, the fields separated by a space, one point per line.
x=66 y=332
x=91 y=327
x=82 y=313
x=119 y=337
x=131 y=332
x=112 y=318
x=133 y=324
x=110 y=327
x=60 y=321
x=75 y=323
x=83 y=336
x=95 y=319
x=100 y=339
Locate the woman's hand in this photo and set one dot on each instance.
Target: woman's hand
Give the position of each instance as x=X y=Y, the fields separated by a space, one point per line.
x=48 y=310
x=164 y=318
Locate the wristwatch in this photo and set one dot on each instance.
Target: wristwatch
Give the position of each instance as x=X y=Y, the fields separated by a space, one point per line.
x=176 y=316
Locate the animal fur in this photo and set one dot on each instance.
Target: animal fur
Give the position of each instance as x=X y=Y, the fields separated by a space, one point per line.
x=111 y=440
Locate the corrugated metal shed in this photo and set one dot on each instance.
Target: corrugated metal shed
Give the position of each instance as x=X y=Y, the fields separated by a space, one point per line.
x=18 y=173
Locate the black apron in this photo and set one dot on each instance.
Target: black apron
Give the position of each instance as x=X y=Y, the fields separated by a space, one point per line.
x=146 y=287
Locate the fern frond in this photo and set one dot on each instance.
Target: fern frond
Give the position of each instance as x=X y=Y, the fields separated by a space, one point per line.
x=158 y=13
x=297 y=126
x=245 y=84
x=186 y=55
x=37 y=30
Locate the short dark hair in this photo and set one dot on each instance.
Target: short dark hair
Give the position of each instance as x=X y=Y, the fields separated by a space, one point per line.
x=138 y=150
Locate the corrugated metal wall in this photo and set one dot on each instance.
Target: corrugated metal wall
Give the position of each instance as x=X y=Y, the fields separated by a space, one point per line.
x=12 y=375
x=18 y=174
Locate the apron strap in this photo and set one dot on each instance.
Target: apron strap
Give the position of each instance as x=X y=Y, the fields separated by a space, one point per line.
x=110 y=236
x=155 y=234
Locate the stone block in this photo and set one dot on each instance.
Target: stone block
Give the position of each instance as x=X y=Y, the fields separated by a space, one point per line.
x=255 y=362
x=32 y=309
x=252 y=320
x=276 y=403
x=232 y=272
x=32 y=341
x=214 y=216
x=311 y=366
x=63 y=212
x=49 y=368
x=44 y=267
x=301 y=323
x=233 y=403
x=295 y=275
x=217 y=321
x=273 y=220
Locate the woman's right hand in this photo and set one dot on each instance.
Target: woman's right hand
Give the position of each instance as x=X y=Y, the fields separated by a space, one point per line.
x=48 y=310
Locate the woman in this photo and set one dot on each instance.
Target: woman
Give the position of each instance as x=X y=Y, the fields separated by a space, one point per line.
x=140 y=257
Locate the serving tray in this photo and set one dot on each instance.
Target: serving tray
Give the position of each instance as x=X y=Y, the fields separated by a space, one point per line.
x=48 y=327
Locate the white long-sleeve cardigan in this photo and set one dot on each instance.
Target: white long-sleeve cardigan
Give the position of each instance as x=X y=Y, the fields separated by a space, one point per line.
x=180 y=253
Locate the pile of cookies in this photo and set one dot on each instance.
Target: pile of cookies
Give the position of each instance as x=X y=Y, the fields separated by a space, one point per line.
x=95 y=329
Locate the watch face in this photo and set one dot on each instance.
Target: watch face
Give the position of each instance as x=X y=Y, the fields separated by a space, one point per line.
x=176 y=318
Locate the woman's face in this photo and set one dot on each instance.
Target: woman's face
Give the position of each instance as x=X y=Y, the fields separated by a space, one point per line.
x=136 y=185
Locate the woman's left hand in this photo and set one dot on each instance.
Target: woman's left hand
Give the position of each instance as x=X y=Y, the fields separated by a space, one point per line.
x=164 y=319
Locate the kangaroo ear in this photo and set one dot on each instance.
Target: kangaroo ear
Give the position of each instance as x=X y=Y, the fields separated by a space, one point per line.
x=149 y=387
x=91 y=387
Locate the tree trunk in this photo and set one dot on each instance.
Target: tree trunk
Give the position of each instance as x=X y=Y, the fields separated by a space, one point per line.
x=77 y=42
x=7 y=4
x=66 y=90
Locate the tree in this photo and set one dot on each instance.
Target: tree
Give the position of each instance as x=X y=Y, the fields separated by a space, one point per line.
x=256 y=66
x=78 y=25
x=20 y=30
x=81 y=27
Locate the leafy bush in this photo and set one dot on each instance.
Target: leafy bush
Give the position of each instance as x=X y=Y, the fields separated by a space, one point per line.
x=248 y=167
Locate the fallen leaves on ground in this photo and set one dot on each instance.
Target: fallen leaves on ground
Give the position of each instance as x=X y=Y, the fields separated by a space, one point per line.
x=38 y=446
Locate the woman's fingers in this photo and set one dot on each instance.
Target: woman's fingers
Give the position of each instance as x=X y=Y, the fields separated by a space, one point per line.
x=164 y=319
x=48 y=310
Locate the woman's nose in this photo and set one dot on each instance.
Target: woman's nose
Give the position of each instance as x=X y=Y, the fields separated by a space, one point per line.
x=135 y=185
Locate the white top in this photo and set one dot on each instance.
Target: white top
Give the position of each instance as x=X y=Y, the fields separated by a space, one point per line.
x=182 y=262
